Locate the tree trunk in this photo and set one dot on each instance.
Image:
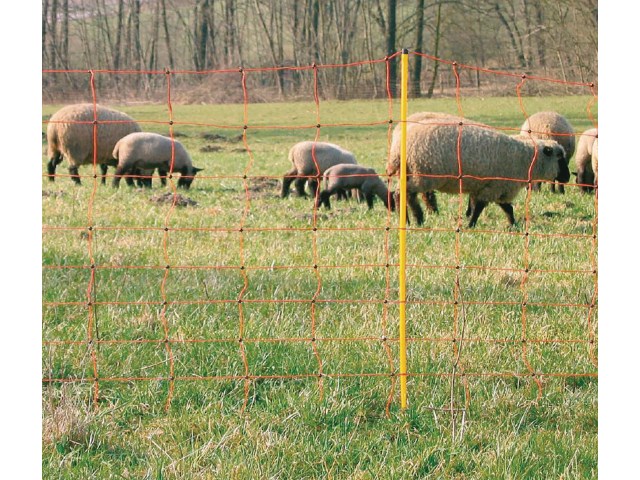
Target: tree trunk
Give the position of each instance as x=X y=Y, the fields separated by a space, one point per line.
x=45 y=13
x=118 y=46
x=272 y=46
x=391 y=45
x=414 y=89
x=167 y=37
x=53 y=34
x=436 y=46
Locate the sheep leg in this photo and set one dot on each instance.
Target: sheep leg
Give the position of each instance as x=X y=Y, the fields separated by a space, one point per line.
x=53 y=163
x=469 y=208
x=163 y=176
x=431 y=201
x=416 y=209
x=508 y=209
x=324 y=198
x=103 y=170
x=120 y=171
x=288 y=178
x=314 y=186
x=75 y=176
x=560 y=188
x=478 y=206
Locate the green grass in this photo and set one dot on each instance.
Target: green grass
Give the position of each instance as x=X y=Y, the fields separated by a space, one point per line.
x=506 y=423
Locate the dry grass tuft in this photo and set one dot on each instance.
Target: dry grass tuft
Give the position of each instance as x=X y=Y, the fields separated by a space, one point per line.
x=66 y=418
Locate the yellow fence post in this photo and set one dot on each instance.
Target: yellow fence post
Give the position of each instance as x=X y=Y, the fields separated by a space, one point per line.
x=403 y=228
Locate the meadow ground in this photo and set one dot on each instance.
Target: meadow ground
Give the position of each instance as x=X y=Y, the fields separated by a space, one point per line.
x=502 y=351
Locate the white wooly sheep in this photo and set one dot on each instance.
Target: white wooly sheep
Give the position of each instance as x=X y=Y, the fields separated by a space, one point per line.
x=145 y=151
x=494 y=166
x=310 y=160
x=551 y=126
x=70 y=134
x=347 y=176
x=584 y=155
x=393 y=167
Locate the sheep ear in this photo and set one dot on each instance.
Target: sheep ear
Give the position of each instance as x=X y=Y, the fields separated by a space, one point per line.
x=196 y=170
x=547 y=151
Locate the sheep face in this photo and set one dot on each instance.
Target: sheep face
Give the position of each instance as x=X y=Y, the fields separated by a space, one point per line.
x=186 y=177
x=563 y=165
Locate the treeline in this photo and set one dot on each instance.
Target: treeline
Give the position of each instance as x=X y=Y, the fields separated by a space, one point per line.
x=551 y=38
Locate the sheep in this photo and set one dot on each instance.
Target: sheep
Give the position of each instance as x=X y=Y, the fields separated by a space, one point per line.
x=584 y=156
x=70 y=135
x=310 y=160
x=551 y=126
x=347 y=176
x=594 y=161
x=145 y=150
x=495 y=166
x=429 y=198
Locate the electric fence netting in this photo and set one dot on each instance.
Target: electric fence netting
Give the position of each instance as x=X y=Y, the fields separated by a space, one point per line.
x=167 y=294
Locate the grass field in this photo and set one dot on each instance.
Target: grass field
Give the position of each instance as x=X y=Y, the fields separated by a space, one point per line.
x=483 y=403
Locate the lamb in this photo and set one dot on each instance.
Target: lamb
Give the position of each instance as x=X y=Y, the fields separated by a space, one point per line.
x=70 y=135
x=584 y=156
x=347 y=176
x=495 y=166
x=304 y=156
x=551 y=126
x=146 y=151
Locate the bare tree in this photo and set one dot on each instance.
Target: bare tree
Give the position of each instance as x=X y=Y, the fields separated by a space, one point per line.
x=414 y=89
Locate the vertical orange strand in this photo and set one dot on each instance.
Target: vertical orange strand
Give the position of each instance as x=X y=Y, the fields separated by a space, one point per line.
x=526 y=259
x=165 y=251
x=247 y=207
x=316 y=353
x=92 y=278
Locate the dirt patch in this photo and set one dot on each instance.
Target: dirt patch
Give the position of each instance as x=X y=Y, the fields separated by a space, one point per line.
x=58 y=194
x=263 y=187
x=179 y=134
x=216 y=137
x=210 y=148
x=239 y=150
x=213 y=137
x=180 y=200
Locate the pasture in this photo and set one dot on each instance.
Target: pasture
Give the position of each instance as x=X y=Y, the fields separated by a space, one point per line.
x=502 y=350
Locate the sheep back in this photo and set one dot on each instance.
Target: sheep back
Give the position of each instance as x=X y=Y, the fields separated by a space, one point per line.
x=75 y=140
x=146 y=150
x=418 y=118
x=432 y=161
x=302 y=154
x=551 y=126
x=348 y=176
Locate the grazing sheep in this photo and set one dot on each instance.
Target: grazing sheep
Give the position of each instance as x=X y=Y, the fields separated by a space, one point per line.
x=551 y=126
x=70 y=135
x=429 y=198
x=304 y=156
x=347 y=176
x=145 y=151
x=584 y=156
x=495 y=166
x=594 y=161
